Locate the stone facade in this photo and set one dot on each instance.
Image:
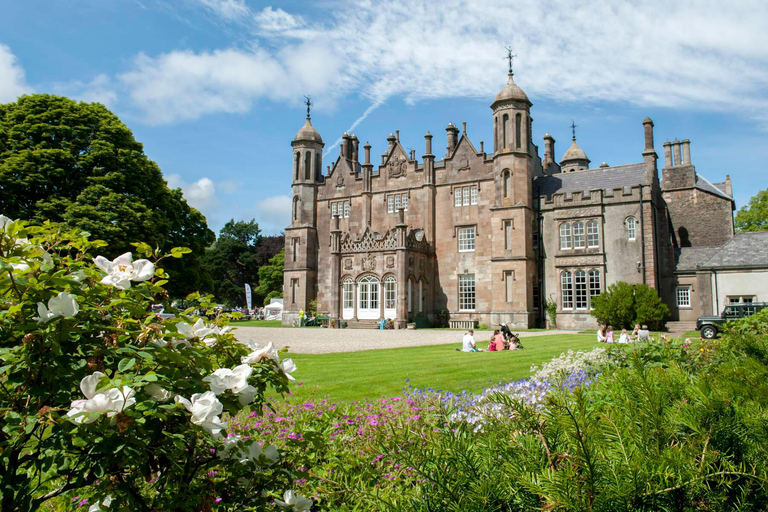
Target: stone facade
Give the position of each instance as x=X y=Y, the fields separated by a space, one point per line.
x=487 y=237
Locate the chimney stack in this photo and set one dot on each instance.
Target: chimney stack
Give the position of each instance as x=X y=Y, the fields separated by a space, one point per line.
x=667 y=154
x=678 y=155
x=391 y=142
x=648 y=128
x=686 y=152
x=451 y=131
x=367 y=149
x=428 y=140
x=482 y=149
x=728 y=186
x=549 y=150
x=464 y=128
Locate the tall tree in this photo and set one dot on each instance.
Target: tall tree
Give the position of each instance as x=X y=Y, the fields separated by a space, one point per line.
x=271 y=278
x=77 y=163
x=236 y=257
x=754 y=216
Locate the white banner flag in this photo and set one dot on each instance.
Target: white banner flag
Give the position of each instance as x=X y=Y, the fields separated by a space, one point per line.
x=248 y=295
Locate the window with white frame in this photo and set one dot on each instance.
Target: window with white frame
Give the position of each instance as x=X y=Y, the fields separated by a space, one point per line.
x=467 y=292
x=457 y=196
x=397 y=201
x=390 y=292
x=565 y=235
x=594 y=285
x=740 y=299
x=349 y=294
x=390 y=204
x=566 y=289
x=578 y=235
x=466 y=239
x=465 y=193
x=683 y=295
x=580 y=285
x=404 y=202
x=473 y=194
x=593 y=236
x=631 y=231
x=334 y=209
x=346 y=209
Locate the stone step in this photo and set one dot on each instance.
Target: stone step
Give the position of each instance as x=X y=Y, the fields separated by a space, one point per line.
x=362 y=324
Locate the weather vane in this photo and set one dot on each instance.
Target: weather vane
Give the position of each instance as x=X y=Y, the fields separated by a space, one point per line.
x=308 y=103
x=509 y=57
x=573 y=128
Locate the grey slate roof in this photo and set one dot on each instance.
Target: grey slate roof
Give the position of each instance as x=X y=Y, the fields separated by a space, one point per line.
x=743 y=250
x=604 y=178
x=704 y=184
x=689 y=258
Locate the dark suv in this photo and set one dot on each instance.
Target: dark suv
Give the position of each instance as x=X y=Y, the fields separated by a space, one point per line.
x=709 y=326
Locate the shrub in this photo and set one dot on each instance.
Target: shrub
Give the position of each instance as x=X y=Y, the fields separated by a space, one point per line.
x=441 y=319
x=551 y=307
x=103 y=400
x=622 y=305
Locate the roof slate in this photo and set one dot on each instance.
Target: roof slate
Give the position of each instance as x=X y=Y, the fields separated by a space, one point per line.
x=704 y=184
x=743 y=250
x=604 y=178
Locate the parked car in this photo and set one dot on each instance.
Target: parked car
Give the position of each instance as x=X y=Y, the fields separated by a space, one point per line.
x=710 y=326
x=159 y=309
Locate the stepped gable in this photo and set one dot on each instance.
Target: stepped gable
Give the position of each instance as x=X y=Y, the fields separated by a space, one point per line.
x=603 y=178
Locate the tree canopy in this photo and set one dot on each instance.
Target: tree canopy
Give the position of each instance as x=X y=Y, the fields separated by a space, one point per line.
x=77 y=163
x=271 y=278
x=754 y=216
x=237 y=257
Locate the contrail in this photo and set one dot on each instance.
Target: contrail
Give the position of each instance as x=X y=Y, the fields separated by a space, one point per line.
x=354 y=125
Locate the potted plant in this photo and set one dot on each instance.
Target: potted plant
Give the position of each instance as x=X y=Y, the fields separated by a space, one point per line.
x=333 y=324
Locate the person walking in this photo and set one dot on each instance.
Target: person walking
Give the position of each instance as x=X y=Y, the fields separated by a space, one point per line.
x=301 y=317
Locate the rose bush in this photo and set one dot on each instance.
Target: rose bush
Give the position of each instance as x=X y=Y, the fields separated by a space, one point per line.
x=103 y=400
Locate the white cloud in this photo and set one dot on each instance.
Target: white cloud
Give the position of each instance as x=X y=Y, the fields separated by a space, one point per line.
x=230 y=186
x=12 y=81
x=274 y=213
x=99 y=90
x=200 y=194
x=227 y=9
x=706 y=55
x=277 y=20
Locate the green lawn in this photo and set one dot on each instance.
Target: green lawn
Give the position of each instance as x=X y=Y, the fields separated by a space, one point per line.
x=378 y=373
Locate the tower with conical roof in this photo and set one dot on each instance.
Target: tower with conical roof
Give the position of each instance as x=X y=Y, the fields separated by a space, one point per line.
x=575 y=159
x=512 y=212
x=301 y=247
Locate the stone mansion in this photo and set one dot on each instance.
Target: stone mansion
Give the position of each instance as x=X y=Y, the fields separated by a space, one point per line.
x=490 y=236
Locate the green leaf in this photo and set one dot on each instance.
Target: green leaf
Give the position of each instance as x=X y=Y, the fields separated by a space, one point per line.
x=79 y=442
x=126 y=364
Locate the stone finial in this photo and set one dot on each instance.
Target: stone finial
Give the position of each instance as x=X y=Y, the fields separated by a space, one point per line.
x=604 y=165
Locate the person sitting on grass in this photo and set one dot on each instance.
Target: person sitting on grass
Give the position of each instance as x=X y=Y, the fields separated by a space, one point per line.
x=624 y=337
x=633 y=336
x=644 y=334
x=498 y=341
x=601 y=337
x=492 y=342
x=609 y=335
x=468 y=345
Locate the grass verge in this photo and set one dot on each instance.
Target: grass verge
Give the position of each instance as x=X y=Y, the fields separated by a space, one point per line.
x=377 y=373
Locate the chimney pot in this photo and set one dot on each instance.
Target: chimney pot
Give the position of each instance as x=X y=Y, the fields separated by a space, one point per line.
x=677 y=152
x=667 y=154
x=686 y=152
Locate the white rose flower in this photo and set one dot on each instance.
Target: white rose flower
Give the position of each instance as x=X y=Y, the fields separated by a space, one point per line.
x=255 y=451
x=235 y=380
x=205 y=409
x=296 y=502
x=198 y=330
x=111 y=401
x=157 y=393
x=5 y=221
x=257 y=355
x=288 y=367
x=122 y=270
x=96 y=507
x=63 y=305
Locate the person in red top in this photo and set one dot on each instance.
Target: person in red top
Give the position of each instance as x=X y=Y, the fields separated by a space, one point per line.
x=492 y=343
x=497 y=341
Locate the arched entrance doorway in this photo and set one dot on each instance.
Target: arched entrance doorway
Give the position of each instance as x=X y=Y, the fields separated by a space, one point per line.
x=368 y=298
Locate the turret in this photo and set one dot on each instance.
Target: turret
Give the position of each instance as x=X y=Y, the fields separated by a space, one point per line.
x=575 y=159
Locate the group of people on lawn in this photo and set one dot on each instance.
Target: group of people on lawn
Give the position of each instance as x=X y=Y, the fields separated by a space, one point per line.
x=605 y=334
x=502 y=339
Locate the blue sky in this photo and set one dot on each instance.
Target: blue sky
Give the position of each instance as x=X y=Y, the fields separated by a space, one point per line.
x=213 y=88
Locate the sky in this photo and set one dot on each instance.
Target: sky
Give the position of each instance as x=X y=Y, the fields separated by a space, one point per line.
x=214 y=88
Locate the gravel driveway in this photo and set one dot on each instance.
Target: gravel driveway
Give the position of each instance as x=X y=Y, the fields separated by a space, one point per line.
x=326 y=341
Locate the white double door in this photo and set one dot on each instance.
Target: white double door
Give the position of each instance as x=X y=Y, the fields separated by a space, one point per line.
x=368 y=297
